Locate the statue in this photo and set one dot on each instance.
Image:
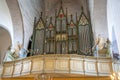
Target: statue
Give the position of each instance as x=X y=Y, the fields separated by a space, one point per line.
x=16 y=53
x=22 y=52
x=9 y=55
x=102 y=46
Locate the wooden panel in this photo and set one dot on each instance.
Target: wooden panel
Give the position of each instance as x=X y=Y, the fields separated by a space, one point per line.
x=17 y=68
x=37 y=65
x=49 y=65
x=90 y=67
x=104 y=68
x=76 y=66
x=62 y=66
x=8 y=69
x=26 y=67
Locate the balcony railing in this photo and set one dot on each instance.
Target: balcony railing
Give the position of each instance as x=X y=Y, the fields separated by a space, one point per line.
x=66 y=64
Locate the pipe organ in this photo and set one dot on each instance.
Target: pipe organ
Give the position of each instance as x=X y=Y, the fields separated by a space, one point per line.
x=59 y=35
x=63 y=35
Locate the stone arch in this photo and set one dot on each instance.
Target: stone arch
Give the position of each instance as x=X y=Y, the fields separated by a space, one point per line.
x=5 y=42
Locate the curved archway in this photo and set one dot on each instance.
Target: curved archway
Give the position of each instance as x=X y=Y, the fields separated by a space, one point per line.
x=5 y=42
x=17 y=21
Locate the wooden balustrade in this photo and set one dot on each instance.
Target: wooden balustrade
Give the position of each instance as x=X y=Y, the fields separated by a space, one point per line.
x=65 y=64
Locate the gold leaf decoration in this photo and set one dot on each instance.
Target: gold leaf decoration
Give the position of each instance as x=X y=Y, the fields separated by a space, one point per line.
x=40 y=25
x=83 y=20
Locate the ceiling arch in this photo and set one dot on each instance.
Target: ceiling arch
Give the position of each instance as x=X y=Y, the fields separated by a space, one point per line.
x=18 y=29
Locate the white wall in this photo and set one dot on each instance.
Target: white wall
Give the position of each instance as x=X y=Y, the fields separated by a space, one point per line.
x=98 y=12
x=5 y=18
x=5 y=35
x=16 y=20
x=113 y=14
x=5 y=42
x=91 y=11
x=30 y=9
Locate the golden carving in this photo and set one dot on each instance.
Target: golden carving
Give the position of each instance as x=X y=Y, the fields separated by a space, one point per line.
x=61 y=37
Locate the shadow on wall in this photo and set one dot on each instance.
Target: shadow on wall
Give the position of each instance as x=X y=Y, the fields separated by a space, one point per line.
x=115 y=51
x=5 y=42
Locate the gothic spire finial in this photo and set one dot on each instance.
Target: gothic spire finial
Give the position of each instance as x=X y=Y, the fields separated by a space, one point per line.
x=66 y=11
x=82 y=8
x=51 y=19
x=71 y=16
x=61 y=3
x=55 y=12
x=76 y=17
x=41 y=14
x=34 y=21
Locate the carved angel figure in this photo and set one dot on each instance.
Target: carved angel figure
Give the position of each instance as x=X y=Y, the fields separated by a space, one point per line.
x=102 y=45
x=9 y=55
x=22 y=52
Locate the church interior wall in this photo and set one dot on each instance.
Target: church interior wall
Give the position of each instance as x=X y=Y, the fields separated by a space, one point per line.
x=98 y=13
x=5 y=18
x=6 y=29
x=5 y=42
x=16 y=21
x=113 y=9
x=72 y=6
x=30 y=9
x=104 y=14
x=12 y=19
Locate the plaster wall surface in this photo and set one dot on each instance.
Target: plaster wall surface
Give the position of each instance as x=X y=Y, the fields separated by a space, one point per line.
x=72 y=6
x=30 y=9
x=113 y=14
x=5 y=42
x=5 y=18
x=16 y=21
x=6 y=29
x=100 y=18
x=98 y=13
